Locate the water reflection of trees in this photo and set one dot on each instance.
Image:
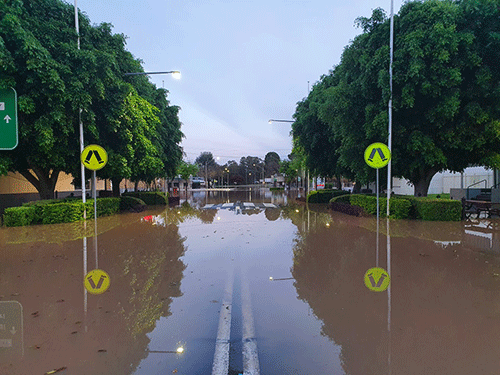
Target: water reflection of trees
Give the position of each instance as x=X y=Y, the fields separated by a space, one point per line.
x=147 y=274
x=144 y=263
x=441 y=298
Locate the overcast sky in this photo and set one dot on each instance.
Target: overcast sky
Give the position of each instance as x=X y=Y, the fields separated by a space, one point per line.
x=243 y=62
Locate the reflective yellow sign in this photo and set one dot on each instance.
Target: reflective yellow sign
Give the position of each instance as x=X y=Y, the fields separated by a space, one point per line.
x=377 y=155
x=96 y=281
x=94 y=157
x=377 y=279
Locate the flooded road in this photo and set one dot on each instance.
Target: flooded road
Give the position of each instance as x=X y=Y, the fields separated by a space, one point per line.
x=244 y=281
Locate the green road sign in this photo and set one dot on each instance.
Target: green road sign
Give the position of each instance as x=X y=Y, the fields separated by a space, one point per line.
x=8 y=119
x=11 y=328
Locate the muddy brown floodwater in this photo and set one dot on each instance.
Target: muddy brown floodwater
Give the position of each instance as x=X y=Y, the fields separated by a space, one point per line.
x=170 y=269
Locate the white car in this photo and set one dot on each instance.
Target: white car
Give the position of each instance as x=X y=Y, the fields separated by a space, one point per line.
x=199 y=180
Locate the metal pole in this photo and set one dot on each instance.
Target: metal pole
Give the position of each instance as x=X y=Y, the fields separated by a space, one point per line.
x=84 y=198
x=378 y=214
x=94 y=195
x=80 y=121
x=389 y=143
x=389 y=304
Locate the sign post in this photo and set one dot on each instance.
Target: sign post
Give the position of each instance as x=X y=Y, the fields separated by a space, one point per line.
x=377 y=155
x=94 y=157
x=8 y=119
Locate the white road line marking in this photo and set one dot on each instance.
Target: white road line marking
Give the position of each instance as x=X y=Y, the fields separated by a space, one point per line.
x=250 y=354
x=221 y=356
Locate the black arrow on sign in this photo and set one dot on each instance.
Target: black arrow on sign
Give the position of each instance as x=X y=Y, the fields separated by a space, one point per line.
x=380 y=152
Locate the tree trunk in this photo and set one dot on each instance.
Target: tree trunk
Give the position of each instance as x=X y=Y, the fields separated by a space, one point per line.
x=44 y=181
x=339 y=182
x=422 y=185
x=136 y=185
x=357 y=188
x=116 y=186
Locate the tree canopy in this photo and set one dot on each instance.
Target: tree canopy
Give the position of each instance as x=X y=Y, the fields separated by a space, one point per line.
x=54 y=80
x=445 y=94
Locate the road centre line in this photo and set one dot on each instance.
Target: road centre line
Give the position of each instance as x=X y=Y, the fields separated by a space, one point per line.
x=250 y=355
x=221 y=356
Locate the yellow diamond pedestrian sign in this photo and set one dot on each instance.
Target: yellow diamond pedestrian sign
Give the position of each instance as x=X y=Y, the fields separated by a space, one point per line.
x=94 y=157
x=377 y=279
x=96 y=281
x=377 y=155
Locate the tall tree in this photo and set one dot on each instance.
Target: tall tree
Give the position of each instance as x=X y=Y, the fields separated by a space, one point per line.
x=186 y=170
x=272 y=163
x=54 y=80
x=207 y=165
x=312 y=136
x=40 y=60
x=446 y=113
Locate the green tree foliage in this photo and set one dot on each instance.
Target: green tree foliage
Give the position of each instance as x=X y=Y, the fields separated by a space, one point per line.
x=272 y=163
x=186 y=170
x=205 y=158
x=312 y=137
x=446 y=92
x=54 y=80
x=207 y=165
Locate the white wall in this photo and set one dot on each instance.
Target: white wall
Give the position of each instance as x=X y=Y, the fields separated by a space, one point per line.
x=442 y=182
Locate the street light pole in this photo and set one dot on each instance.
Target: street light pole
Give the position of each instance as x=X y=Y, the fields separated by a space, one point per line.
x=272 y=120
x=389 y=143
x=80 y=121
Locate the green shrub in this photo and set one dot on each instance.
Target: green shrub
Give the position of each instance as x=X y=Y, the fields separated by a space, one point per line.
x=342 y=199
x=62 y=213
x=38 y=206
x=324 y=196
x=438 y=209
x=42 y=202
x=128 y=203
x=399 y=208
x=151 y=198
x=433 y=209
x=105 y=207
x=18 y=216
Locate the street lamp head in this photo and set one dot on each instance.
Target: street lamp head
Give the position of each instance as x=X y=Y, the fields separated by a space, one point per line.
x=176 y=74
x=273 y=120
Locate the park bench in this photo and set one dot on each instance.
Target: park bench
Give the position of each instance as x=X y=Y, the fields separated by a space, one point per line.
x=476 y=207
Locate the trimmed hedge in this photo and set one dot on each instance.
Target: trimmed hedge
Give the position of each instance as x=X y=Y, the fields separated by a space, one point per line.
x=342 y=199
x=149 y=197
x=38 y=206
x=58 y=211
x=346 y=208
x=438 y=209
x=400 y=208
x=105 y=207
x=131 y=203
x=62 y=213
x=407 y=207
x=18 y=216
x=324 y=196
